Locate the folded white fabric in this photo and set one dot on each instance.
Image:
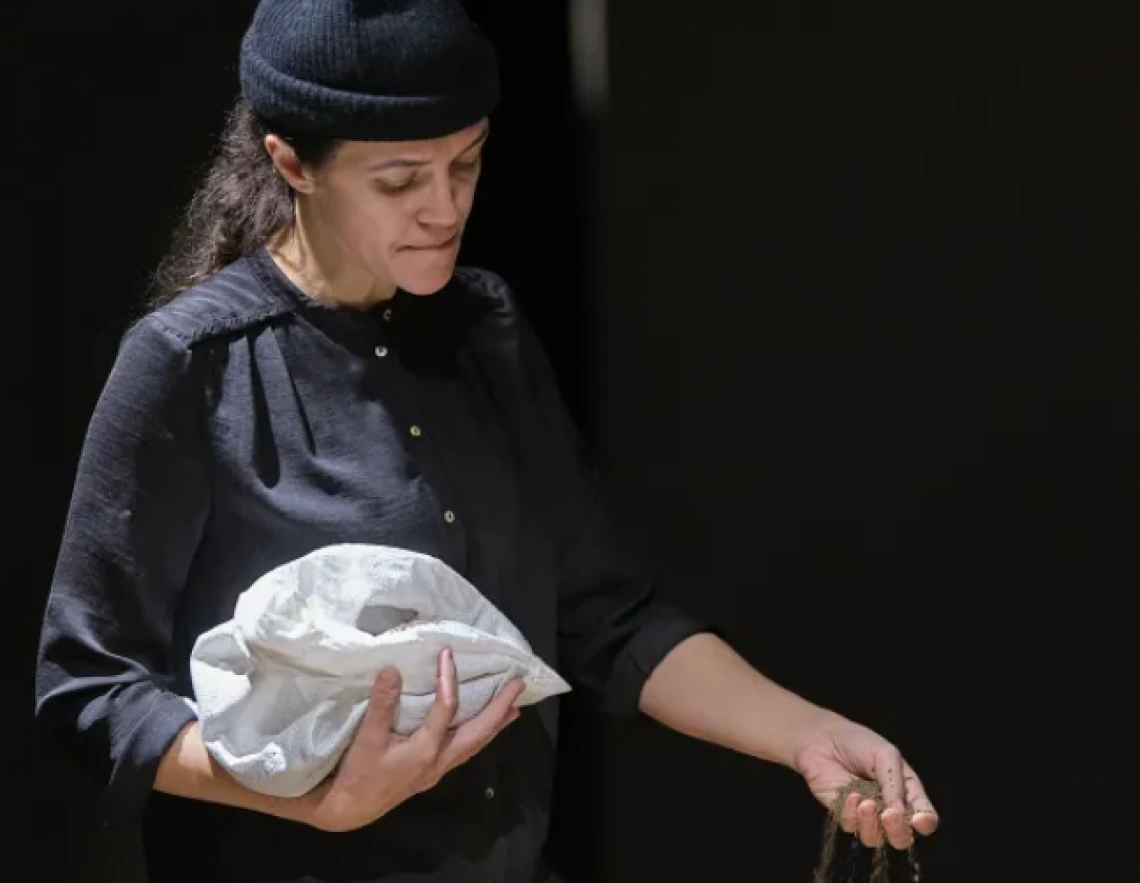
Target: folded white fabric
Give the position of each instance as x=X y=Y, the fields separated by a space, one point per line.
x=280 y=688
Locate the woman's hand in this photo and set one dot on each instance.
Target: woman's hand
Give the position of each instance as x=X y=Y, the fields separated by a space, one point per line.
x=380 y=769
x=843 y=751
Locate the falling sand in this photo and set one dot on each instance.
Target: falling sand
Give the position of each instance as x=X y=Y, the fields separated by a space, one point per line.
x=855 y=862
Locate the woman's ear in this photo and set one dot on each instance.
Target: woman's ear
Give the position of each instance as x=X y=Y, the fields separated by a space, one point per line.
x=288 y=165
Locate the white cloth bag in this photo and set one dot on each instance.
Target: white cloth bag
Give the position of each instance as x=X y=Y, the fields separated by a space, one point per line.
x=280 y=688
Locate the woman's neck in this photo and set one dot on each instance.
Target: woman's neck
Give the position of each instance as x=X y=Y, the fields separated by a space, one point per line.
x=319 y=267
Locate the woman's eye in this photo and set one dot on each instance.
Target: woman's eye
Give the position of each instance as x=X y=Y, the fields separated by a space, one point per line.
x=395 y=188
x=391 y=188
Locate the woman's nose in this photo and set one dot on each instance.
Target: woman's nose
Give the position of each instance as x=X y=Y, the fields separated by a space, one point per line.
x=443 y=207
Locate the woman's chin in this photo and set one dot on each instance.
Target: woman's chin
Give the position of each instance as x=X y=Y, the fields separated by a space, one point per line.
x=426 y=272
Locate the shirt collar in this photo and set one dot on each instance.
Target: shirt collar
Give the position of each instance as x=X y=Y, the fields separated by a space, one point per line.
x=438 y=318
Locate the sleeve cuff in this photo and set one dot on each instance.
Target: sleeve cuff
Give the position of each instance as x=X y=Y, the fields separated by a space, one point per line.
x=644 y=652
x=132 y=778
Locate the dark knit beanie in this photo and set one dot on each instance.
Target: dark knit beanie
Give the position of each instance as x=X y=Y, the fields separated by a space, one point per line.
x=367 y=70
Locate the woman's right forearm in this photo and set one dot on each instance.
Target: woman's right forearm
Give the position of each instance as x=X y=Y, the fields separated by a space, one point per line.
x=189 y=770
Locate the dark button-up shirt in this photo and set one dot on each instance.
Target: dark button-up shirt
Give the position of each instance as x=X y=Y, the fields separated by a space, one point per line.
x=245 y=424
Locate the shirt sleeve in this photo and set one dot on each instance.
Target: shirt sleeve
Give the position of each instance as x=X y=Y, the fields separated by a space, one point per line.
x=137 y=511
x=613 y=625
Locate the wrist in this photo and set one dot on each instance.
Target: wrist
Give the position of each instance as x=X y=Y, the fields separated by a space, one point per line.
x=813 y=728
x=312 y=808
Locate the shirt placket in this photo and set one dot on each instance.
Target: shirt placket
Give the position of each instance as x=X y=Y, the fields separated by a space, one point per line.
x=401 y=399
x=402 y=389
x=500 y=864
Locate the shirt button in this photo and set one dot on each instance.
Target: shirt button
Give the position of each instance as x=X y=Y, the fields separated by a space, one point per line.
x=387 y=314
x=416 y=431
x=449 y=517
x=381 y=352
x=489 y=793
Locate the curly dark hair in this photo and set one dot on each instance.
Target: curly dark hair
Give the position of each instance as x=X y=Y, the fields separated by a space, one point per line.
x=240 y=205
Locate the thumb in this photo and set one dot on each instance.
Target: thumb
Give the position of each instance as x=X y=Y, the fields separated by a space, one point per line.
x=382 y=704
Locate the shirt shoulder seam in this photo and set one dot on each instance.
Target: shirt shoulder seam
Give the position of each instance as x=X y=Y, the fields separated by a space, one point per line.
x=204 y=331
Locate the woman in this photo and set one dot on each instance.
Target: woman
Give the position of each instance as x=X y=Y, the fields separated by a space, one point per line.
x=319 y=371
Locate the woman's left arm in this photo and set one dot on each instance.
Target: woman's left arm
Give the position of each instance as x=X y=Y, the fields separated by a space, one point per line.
x=620 y=641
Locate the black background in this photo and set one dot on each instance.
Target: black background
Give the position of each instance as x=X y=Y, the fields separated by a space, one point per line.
x=854 y=338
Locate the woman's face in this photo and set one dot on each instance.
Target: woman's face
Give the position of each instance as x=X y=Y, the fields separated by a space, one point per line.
x=396 y=209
